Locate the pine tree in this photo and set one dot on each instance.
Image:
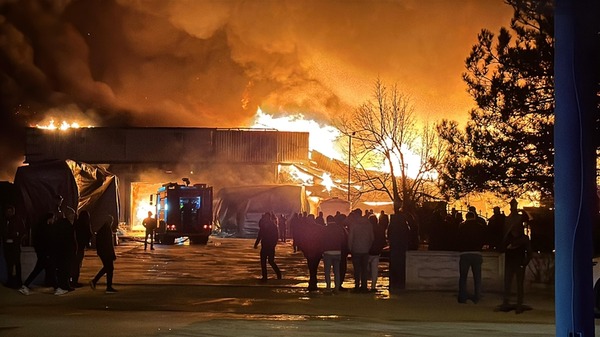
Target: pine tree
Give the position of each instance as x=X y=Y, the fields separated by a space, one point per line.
x=507 y=145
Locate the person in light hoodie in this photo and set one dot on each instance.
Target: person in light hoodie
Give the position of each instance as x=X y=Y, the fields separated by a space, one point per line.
x=360 y=239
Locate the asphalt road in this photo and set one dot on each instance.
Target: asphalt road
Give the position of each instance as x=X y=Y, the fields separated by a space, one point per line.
x=214 y=290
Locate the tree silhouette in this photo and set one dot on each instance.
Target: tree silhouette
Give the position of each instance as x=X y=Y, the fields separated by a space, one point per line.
x=507 y=145
x=384 y=132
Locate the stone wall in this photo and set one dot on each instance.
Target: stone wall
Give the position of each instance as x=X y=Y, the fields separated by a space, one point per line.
x=438 y=270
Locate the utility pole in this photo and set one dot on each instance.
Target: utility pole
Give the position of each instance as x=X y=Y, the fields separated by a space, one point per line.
x=576 y=74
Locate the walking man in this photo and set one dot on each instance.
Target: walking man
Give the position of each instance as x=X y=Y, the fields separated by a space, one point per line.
x=106 y=252
x=267 y=237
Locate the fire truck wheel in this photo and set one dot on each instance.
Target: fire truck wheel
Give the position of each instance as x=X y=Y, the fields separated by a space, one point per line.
x=168 y=240
x=201 y=240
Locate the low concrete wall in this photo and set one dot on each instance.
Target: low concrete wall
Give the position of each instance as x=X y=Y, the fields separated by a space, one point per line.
x=438 y=270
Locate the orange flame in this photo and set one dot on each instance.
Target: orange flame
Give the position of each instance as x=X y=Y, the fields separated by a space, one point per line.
x=322 y=137
x=327 y=182
x=64 y=125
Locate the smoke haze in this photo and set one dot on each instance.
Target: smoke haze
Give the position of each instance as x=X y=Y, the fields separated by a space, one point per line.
x=212 y=63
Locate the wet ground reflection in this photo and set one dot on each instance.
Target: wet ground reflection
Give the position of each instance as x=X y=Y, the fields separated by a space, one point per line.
x=223 y=261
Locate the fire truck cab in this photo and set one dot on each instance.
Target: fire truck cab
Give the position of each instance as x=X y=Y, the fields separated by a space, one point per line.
x=184 y=211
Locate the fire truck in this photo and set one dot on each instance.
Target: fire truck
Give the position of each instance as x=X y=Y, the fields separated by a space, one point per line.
x=184 y=211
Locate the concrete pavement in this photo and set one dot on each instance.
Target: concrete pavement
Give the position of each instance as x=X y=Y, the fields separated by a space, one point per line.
x=213 y=290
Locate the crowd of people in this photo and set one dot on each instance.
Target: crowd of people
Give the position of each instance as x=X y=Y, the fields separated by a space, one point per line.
x=59 y=240
x=361 y=235
x=364 y=235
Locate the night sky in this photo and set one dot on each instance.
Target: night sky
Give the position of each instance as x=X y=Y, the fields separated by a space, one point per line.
x=212 y=63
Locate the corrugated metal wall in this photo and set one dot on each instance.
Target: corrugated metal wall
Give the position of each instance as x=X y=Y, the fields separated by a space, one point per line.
x=165 y=145
x=246 y=146
x=292 y=147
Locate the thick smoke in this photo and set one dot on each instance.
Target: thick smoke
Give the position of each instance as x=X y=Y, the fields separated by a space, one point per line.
x=212 y=63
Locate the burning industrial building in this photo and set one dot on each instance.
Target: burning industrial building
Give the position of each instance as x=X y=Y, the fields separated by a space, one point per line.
x=251 y=170
x=144 y=159
x=176 y=77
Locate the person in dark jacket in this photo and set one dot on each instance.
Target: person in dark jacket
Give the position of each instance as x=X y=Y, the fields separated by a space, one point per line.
x=294 y=229
x=40 y=235
x=12 y=231
x=106 y=252
x=383 y=220
x=517 y=253
x=334 y=240
x=267 y=237
x=65 y=248
x=83 y=234
x=397 y=235
x=150 y=224
x=310 y=243
x=471 y=238
x=495 y=229
x=341 y=218
x=377 y=246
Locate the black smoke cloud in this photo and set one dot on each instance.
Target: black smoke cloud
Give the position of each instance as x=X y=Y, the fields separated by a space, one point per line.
x=212 y=63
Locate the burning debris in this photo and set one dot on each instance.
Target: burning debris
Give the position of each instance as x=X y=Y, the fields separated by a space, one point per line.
x=62 y=126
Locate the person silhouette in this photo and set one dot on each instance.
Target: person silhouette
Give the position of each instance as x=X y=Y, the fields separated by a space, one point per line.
x=149 y=224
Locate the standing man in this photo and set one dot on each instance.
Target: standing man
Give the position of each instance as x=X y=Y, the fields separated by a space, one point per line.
x=471 y=237
x=334 y=240
x=479 y=218
x=83 y=234
x=342 y=219
x=397 y=235
x=267 y=237
x=65 y=249
x=11 y=232
x=150 y=224
x=384 y=220
x=294 y=229
x=517 y=248
x=377 y=246
x=309 y=240
x=360 y=239
x=495 y=229
x=282 y=222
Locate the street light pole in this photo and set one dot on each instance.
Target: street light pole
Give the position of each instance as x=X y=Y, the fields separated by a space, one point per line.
x=349 y=158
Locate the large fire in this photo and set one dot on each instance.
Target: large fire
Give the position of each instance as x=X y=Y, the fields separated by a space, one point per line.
x=322 y=137
x=64 y=125
x=141 y=203
x=326 y=140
